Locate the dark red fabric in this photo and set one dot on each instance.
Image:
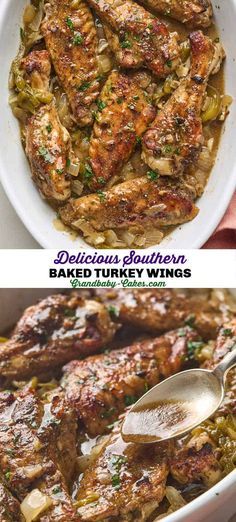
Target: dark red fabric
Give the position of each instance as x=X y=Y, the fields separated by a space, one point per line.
x=225 y=234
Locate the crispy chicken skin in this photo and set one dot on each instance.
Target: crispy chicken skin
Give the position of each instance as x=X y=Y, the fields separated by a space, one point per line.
x=125 y=113
x=71 y=39
x=126 y=479
x=145 y=39
x=175 y=138
x=9 y=506
x=135 y=202
x=37 y=69
x=100 y=387
x=160 y=310
x=195 y=13
x=33 y=438
x=48 y=149
x=55 y=331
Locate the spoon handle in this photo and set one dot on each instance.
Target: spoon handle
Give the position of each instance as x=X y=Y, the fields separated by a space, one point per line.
x=226 y=364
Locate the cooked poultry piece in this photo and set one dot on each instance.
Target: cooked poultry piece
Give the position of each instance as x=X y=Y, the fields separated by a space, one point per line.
x=146 y=40
x=197 y=460
x=226 y=341
x=35 y=440
x=135 y=202
x=195 y=13
x=36 y=68
x=48 y=150
x=9 y=506
x=71 y=39
x=47 y=141
x=160 y=310
x=125 y=482
x=175 y=138
x=100 y=387
x=124 y=114
x=56 y=330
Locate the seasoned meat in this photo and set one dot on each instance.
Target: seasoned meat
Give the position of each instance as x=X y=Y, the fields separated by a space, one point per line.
x=9 y=506
x=34 y=442
x=135 y=202
x=36 y=67
x=71 y=39
x=195 y=13
x=175 y=138
x=124 y=114
x=159 y=310
x=48 y=149
x=58 y=329
x=126 y=481
x=198 y=460
x=100 y=387
x=146 y=40
x=226 y=341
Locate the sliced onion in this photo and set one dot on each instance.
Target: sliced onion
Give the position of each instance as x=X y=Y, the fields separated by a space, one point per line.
x=104 y=63
x=205 y=160
x=34 y=504
x=77 y=187
x=73 y=169
x=29 y=14
x=102 y=45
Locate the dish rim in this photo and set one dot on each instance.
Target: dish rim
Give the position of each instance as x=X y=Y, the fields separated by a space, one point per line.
x=196 y=240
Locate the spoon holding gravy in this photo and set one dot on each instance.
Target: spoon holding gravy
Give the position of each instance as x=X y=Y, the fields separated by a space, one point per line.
x=178 y=404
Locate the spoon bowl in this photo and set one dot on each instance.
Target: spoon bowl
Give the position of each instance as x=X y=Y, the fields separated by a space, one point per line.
x=177 y=405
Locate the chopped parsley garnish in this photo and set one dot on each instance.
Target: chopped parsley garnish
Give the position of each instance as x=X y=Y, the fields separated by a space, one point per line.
x=193 y=348
x=115 y=480
x=119 y=100
x=56 y=490
x=69 y=312
x=126 y=44
x=190 y=320
x=47 y=156
x=169 y=63
x=84 y=86
x=227 y=332
x=168 y=149
x=152 y=175
x=108 y=413
x=101 y=180
x=101 y=105
x=88 y=172
x=69 y=23
x=60 y=171
x=117 y=461
x=68 y=162
x=102 y=195
x=49 y=128
x=136 y=98
x=8 y=475
x=113 y=310
x=78 y=39
x=138 y=139
x=130 y=399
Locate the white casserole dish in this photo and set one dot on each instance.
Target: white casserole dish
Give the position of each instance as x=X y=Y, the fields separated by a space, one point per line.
x=38 y=216
x=218 y=504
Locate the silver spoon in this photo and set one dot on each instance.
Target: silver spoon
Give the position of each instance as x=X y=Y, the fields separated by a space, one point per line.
x=178 y=404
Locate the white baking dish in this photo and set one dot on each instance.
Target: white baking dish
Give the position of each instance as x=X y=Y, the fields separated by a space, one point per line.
x=218 y=504
x=37 y=215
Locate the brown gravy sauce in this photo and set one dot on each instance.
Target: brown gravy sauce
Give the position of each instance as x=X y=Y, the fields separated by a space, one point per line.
x=158 y=420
